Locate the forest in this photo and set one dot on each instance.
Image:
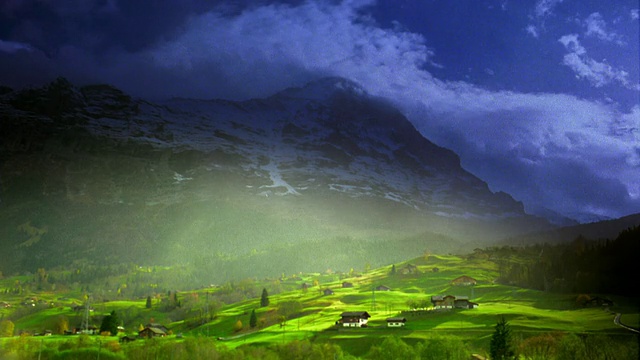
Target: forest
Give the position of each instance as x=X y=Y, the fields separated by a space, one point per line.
x=580 y=266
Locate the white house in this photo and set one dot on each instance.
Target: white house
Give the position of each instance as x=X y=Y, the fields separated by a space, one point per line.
x=396 y=322
x=354 y=319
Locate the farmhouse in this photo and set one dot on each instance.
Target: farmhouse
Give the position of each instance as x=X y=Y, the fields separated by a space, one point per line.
x=383 y=288
x=157 y=326
x=354 y=319
x=347 y=284
x=151 y=332
x=450 y=302
x=462 y=302
x=443 y=302
x=464 y=280
x=127 y=339
x=396 y=322
x=327 y=292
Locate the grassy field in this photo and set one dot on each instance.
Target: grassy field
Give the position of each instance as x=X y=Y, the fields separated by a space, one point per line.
x=529 y=312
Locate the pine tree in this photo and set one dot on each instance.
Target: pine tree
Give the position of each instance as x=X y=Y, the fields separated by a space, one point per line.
x=500 y=347
x=264 y=299
x=253 y=321
x=148 y=302
x=110 y=323
x=393 y=270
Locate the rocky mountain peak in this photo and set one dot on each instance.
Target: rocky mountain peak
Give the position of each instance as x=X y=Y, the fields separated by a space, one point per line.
x=323 y=89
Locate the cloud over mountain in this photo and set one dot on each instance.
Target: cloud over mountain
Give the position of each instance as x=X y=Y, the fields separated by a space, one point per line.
x=551 y=150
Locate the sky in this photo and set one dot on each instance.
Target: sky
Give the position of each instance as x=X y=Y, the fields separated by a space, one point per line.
x=539 y=98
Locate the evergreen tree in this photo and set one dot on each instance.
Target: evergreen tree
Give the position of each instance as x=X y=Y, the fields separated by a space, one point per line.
x=500 y=347
x=393 y=270
x=148 y=302
x=264 y=299
x=110 y=323
x=253 y=321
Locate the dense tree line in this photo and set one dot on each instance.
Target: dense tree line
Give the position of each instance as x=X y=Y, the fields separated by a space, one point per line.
x=548 y=346
x=580 y=266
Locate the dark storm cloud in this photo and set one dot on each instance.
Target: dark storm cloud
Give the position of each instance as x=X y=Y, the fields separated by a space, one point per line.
x=551 y=150
x=94 y=24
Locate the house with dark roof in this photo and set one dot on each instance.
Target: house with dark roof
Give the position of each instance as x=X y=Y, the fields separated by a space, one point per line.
x=347 y=284
x=354 y=319
x=462 y=302
x=450 y=302
x=383 y=288
x=443 y=302
x=127 y=339
x=396 y=321
x=157 y=326
x=151 y=332
x=327 y=292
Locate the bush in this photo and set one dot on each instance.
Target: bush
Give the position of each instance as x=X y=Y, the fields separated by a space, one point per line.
x=392 y=348
x=449 y=348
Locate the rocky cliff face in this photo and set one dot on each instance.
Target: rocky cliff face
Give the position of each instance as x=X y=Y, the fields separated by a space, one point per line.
x=90 y=170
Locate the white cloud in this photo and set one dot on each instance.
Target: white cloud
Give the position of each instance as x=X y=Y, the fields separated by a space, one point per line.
x=535 y=135
x=14 y=46
x=542 y=10
x=545 y=8
x=596 y=26
x=635 y=14
x=597 y=73
x=534 y=146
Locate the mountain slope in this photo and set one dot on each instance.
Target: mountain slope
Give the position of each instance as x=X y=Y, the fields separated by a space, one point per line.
x=600 y=230
x=90 y=174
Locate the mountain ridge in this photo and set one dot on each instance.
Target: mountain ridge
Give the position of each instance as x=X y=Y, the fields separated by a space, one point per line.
x=169 y=178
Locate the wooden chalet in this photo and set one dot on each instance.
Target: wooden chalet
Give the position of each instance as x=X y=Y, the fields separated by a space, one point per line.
x=383 y=288
x=354 y=319
x=157 y=326
x=150 y=332
x=127 y=339
x=464 y=280
x=347 y=284
x=462 y=302
x=450 y=302
x=443 y=302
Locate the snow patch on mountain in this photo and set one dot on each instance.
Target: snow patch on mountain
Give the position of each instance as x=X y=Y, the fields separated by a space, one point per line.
x=276 y=178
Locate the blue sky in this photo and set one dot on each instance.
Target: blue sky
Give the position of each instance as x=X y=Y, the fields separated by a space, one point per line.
x=539 y=98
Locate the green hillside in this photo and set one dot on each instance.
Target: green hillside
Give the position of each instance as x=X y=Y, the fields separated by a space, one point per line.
x=211 y=315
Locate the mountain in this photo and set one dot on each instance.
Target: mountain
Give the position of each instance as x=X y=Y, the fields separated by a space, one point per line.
x=597 y=230
x=323 y=176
